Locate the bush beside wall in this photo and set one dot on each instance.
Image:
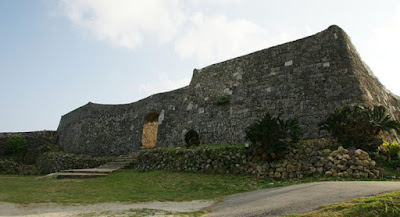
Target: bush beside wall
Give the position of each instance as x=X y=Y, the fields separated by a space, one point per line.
x=37 y=143
x=305 y=159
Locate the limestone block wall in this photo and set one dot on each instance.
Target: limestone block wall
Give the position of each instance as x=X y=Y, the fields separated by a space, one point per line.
x=307 y=79
x=373 y=91
x=117 y=129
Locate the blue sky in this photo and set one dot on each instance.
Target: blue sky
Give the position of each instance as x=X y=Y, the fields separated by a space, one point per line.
x=57 y=55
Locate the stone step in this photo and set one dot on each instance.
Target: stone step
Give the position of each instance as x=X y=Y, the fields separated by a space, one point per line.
x=76 y=175
x=119 y=160
x=124 y=158
x=114 y=165
x=89 y=170
x=103 y=170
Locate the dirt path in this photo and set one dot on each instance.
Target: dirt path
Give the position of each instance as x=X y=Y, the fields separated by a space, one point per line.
x=56 y=210
x=297 y=198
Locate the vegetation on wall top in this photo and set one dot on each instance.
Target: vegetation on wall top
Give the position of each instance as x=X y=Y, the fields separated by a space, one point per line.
x=16 y=147
x=222 y=101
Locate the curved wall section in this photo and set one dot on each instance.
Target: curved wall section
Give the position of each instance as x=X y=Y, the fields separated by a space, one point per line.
x=117 y=129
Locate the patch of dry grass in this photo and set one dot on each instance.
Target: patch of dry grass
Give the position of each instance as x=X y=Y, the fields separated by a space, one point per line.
x=385 y=205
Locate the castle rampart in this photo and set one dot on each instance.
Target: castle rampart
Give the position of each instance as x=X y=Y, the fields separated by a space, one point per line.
x=306 y=78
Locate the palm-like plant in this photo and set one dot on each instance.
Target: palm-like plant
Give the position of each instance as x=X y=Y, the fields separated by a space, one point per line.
x=270 y=136
x=359 y=126
x=380 y=121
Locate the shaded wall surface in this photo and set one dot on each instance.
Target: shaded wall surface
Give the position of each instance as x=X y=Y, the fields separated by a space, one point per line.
x=307 y=79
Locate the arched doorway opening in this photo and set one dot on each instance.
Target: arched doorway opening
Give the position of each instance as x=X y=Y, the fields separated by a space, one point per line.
x=149 y=136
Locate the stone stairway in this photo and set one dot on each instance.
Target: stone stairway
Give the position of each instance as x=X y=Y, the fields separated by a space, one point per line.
x=117 y=164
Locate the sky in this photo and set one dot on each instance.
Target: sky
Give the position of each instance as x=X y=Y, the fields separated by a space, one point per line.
x=58 y=55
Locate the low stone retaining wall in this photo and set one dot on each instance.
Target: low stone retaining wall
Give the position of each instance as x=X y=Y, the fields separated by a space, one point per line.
x=52 y=162
x=12 y=167
x=43 y=156
x=55 y=161
x=307 y=159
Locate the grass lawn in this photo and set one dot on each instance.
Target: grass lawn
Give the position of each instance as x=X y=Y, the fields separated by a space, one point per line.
x=127 y=186
x=382 y=205
x=132 y=186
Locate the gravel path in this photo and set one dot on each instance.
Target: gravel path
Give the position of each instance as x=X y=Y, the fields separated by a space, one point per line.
x=297 y=198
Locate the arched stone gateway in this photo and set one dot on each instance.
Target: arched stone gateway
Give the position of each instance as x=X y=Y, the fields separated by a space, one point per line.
x=150 y=127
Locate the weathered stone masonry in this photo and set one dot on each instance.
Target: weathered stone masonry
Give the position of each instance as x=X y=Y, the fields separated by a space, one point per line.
x=117 y=129
x=307 y=78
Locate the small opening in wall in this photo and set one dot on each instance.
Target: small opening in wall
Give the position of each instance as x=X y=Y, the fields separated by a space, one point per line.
x=192 y=138
x=149 y=137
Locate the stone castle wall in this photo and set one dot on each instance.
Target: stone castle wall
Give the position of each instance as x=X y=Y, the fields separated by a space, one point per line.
x=117 y=129
x=373 y=91
x=307 y=79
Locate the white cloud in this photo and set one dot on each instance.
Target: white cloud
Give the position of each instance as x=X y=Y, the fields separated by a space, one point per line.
x=164 y=83
x=126 y=22
x=213 y=2
x=204 y=37
x=216 y=38
x=383 y=52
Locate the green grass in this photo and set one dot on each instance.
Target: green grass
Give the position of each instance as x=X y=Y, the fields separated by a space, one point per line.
x=131 y=186
x=385 y=205
x=127 y=186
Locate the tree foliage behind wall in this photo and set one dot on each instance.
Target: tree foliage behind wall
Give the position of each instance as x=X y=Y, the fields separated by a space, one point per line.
x=16 y=147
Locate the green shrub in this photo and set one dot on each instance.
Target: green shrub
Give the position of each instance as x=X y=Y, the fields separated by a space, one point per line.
x=359 y=126
x=222 y=101
x=192 y=138
x=392 y=164
x=271 y=136
x=390 y=150
x=16 y=147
